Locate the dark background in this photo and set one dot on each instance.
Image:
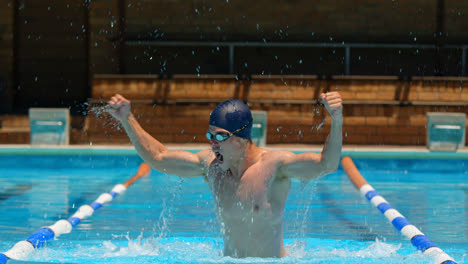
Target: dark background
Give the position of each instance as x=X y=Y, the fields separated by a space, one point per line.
x=50 y=50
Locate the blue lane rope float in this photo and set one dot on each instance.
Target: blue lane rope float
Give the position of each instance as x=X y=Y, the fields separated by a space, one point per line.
x=37 y=240
x=417 y=238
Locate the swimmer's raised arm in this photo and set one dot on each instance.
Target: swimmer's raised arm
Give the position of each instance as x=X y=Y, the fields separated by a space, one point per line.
x=180 y=163
x=307 y=166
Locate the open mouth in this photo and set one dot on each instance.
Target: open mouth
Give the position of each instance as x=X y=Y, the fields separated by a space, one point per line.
x=219 y=157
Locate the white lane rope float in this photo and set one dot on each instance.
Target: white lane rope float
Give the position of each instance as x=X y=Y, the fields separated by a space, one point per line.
x=417 y=238
x=37 y=240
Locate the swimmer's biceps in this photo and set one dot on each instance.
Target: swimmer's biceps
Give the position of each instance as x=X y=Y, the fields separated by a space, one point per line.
x=303 y=166
x=182 y=163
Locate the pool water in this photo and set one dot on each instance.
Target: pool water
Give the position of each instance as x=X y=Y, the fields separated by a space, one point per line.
x=165 y=219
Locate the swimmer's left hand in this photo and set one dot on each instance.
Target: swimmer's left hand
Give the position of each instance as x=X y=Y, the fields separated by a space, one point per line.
x=333 y=104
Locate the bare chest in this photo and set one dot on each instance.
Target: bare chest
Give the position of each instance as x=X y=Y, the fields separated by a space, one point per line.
x=250 y=194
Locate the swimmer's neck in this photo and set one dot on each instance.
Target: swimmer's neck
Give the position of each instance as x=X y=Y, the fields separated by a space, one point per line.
x=248 y=157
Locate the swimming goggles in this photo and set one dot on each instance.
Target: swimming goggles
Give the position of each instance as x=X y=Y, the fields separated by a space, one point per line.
x=223 y=136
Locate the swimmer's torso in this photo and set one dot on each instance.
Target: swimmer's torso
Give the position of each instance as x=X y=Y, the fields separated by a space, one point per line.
x=250 y=208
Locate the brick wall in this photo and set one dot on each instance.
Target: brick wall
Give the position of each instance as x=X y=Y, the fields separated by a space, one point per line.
x=103 y=26
x=6 y=55
x=456 y=20
x=279 y=20
x=377 y=110
x=52 y=49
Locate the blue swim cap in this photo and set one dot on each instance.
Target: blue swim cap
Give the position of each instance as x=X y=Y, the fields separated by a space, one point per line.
x=233 y=115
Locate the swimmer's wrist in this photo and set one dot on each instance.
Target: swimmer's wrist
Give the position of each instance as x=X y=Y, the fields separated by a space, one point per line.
x=127 y=120
x=337 y=118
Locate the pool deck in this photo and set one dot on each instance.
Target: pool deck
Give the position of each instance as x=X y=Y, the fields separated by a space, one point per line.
x=364 y=151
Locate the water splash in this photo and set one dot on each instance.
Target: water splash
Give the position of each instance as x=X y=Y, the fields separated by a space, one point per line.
x=101 y=111
x=206 y=250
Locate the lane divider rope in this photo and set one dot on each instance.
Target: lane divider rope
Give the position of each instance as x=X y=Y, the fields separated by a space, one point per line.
x=37 y=240
x=417 y=238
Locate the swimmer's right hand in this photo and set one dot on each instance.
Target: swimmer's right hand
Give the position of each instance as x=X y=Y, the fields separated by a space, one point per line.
x=119 y=107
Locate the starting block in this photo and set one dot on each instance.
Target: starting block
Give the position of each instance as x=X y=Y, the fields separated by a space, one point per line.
x=49 y=126
x=445 y=131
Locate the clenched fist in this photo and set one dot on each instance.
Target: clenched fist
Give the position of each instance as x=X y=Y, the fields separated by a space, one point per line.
x=119 y=107
x=333 y=104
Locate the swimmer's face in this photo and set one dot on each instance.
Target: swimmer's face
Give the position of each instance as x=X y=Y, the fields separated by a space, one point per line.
x=225 y=150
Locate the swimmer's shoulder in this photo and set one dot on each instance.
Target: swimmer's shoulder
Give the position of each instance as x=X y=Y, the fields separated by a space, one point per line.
x=277 y=156
x=206 y=156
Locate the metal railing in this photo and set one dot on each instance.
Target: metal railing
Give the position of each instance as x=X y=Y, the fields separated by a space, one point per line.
x=346 y=46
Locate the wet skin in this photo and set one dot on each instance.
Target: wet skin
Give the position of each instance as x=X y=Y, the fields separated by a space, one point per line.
x=250 y=203
x=249 y=184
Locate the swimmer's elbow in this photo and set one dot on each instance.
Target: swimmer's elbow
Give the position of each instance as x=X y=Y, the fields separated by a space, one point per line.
x=158 y=158
x=330 y=167
x=330 y=170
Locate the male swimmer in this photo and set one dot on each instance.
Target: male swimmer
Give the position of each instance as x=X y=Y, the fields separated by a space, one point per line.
x=249 y=184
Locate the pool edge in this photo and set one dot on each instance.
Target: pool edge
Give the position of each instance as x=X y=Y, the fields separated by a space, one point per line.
x=353 y=151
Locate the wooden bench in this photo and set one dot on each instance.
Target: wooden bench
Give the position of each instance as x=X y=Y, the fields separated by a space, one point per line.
x=203 y=88
x=439 y=91
x=140 y=88
x=374 y=90
x=284 y=89
x=178 y=89
x=378 y=109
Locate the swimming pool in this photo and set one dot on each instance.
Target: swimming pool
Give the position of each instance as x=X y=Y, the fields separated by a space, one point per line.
x=164 y=219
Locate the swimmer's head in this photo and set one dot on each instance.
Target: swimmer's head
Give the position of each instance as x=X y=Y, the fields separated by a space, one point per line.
x=234 y=116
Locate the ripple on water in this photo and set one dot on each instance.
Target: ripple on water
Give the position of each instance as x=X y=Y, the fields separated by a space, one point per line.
x=209 y=250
